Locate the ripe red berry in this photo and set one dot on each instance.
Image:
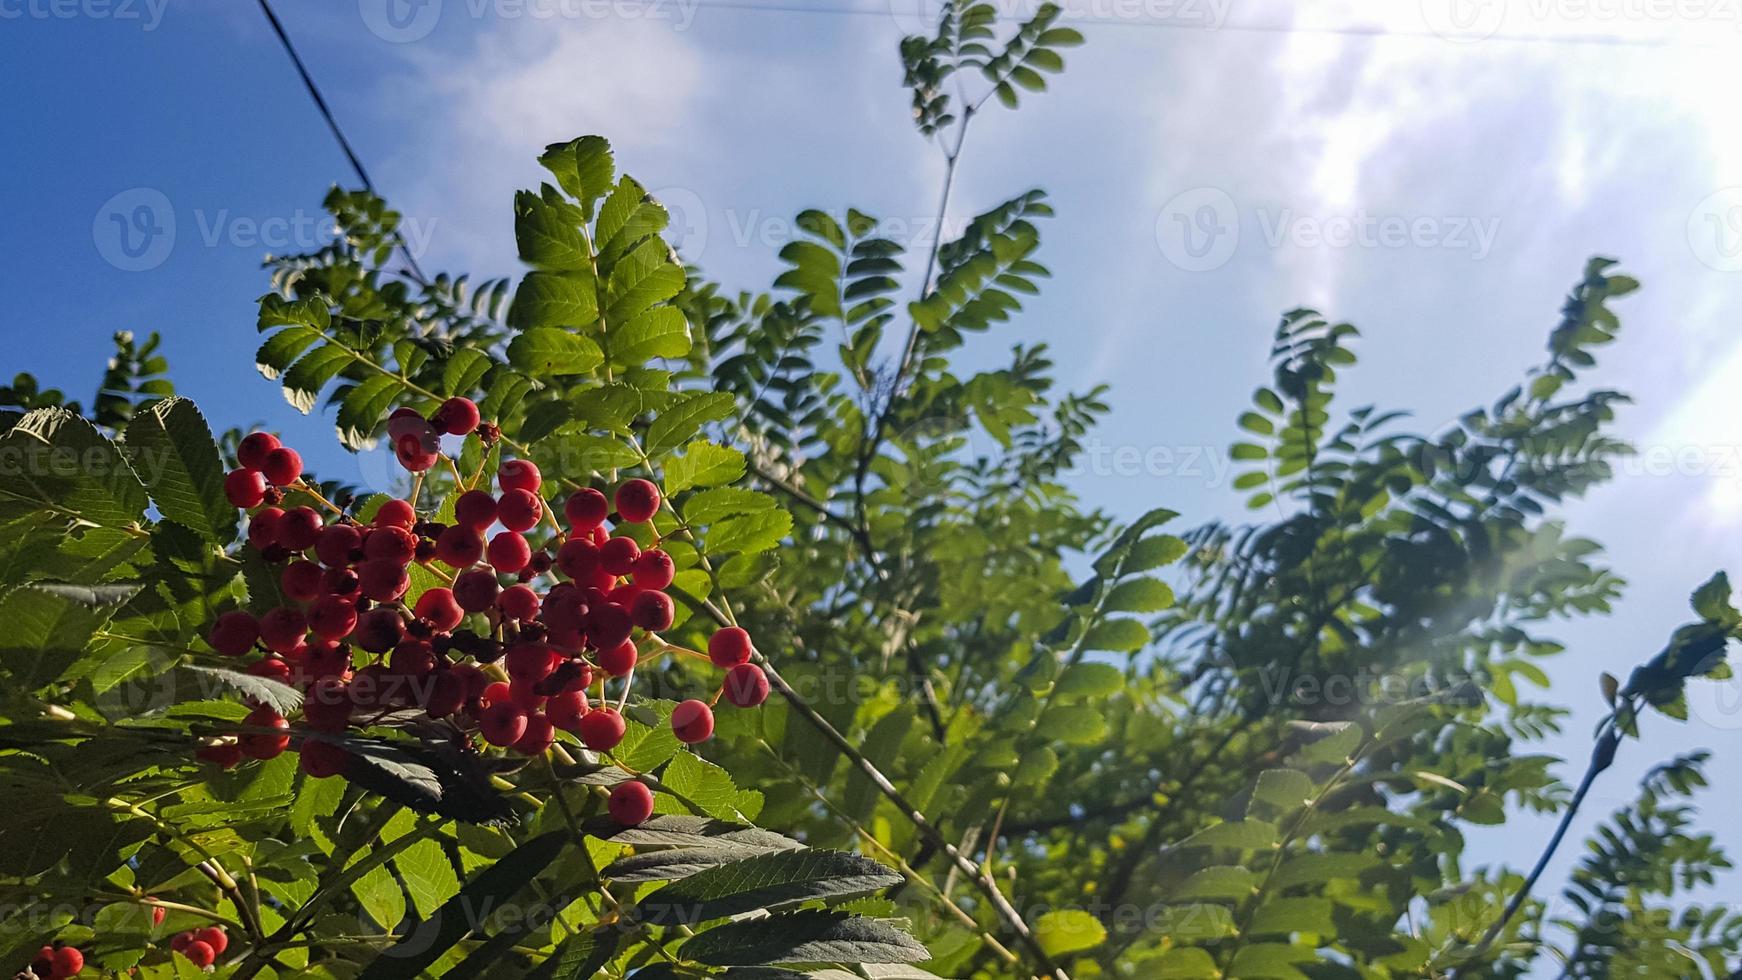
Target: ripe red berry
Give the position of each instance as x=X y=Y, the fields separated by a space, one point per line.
x=395 y=513
x=379 y=630
x=519 y=474
x=321 y=760
x=475 y=509
x=416 y=443
x=439 y=607
x=539 y=735
x=601 y=729
x=213 y=936
x=446 y=694
x=271 y=668
x=412 y=658
x=692 y=722
x=336 y=543
x=456 y=416
x=332 y=617
x=327 y=706
x=519 y=510
x=653 y=569
x=637 y=501
x=586 y=509
x=497 y=692
x=652 y=611
x=252 y=451
x=630 y=803
x=225 y=755
x=199 y=954
x=234 y=633
x=729 y=647
x=746 y=685
x=299 y=529
x=382 y=580
x=282 y=466
x=283 y=629
x=263 y=527
x=158 y=914
x=518 y=602
x=244 y=488
x=65 y=962
x=503 y=723
x=262 y=746
x=578 y=558
x=566 y=710
x=391 y=543
x=460 y=547
x=509 y=552
x=608 y=624
x=530 y=663
x=618 y=660
x=475 y=590
x=618 y=555
x=302 y=580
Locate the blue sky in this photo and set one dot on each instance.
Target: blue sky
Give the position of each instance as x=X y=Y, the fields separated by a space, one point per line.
x=1434 y=172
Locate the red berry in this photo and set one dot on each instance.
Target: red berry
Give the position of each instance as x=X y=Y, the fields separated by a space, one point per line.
x=391 y=543
x=252 y=451
x=439 y=607
x=503 y=723
x=608 y=625
x=472 y=679
x=475 y=591
x=509 y=552
x=382 y=579
x=262 y=746
x=601 y=729
x=693 y=721
x=321 y=760
x=530 y=663
x=412 y=658
x=652 y=611
x=263 y=527
x=729 y=647
x=67 y=962
x=395 y=513
x=282 y=466
x=653 y=569
x=416 y=443
x=566 y=710
x=327 y=707
x=630 y=803
x=283 y=629
x=272 y=669
x=539 y=735
x=199 y=954
x=213 y=936
x=586 y=509
x=327 y=659
x=380 y=630
x=158 y=914
x=497 y=692
x=746 y=685
x=519 y=510
x=475 y=509
x=336 y=543
x=245 y=488
x=234 y=633
x=456 y=416
x=519 y=474
x=460 y=547
x=332 y=617
x=299 y=529
x=637 y=501
x=618 y=555
x=302 y=580
x=618 y=660
x=518 y=602
x=446 y=694
x=578 y=558
x=224 y=756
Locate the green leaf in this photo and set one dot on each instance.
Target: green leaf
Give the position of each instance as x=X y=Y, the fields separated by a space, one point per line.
x=1281 y=916
x=703 y=464
x=582 y=167
x=1090 y=680
x=804 y=937
x=548 y=352
x=685 y=417
x=1186 y=963
x=549 y=234
x=1140 y=595
x=48 y=625
x=276 y=311
x=1271 y=961
x=1073 y=724
x=663 y=830
x=364 y=406
x=1287 y=789
x=279 y=696
x=1121 y=635
x=1246 y=835
x=1229 y=882
x=424 y=944
x=1066 y=931
x=659 y=332
x=749 y=533
x=58 y=461
x=305 y=379
x=171 y=448
x=709 y=506
x=580 y=958
x=554 y=299
x=767 y=881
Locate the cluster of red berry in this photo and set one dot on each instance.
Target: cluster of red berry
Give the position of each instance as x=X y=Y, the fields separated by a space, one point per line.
x=202 y=947
x=57 y=962
x=508 y=648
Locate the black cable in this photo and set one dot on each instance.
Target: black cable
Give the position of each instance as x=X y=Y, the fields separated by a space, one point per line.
x=320 y=101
